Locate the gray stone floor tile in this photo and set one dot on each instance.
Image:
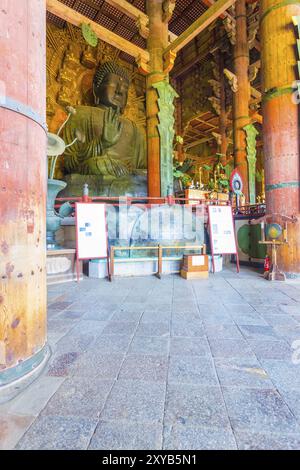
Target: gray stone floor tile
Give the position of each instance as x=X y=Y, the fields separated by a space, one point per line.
x=88 y=327
x=187 y=329
x=79 y=396
x=182 y=437
x=74 y=343
x=270 y=349
x=216 y=332
x=98 y=315
x=12 y=428
x=292 y=399
x=149 y=345
x=119 y=328
x=180 y=346
x=34 y=398
x=106 y=366
x=251 y=318
x=281 y=320
x=135 y=401
x=159 y=316
x=60 y=364
x=230 y=348
x=284 y=374
x=268 y=441
x=58 y=433
x=153 y=329
x=123 y=435
x=192 y=370
x=266 y=333
x=194 y=405
x=126 y=316
x=144 y=367
x=110 y=344
x=259 y=410
x=242 y=372
x=239 y=309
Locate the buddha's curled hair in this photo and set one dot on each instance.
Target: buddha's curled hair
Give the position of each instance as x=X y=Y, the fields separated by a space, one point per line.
x=109 y=67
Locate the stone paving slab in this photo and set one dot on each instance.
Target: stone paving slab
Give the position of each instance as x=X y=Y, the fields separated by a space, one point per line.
x=181 y=346
x=123 y=435
x=135 y=401
x=260 y=410
x=193 y=405
x=242 y=372
x=258 y=441
x=79 y=396
x=231 y=348
x=58 y=433
x=192 y=370
x=143 y=363
x=182 y=437
x=144 y=367
x=149 y=345
x=34 y=398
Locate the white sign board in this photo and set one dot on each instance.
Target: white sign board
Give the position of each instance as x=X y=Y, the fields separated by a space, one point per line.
x=91 y=233
x=221 y=226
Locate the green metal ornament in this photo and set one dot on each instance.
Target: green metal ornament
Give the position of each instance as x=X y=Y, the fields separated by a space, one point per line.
x=89 y=35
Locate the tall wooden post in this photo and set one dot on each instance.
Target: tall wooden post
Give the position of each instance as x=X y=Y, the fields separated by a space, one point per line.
x=223 y=116
x=242 y=96
x=281 y=120
x=22 y=193
x=156 y=44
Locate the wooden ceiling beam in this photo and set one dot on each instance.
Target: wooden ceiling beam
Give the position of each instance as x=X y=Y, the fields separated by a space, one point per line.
x=209 y=3
x=71 y=16
x=199 y=25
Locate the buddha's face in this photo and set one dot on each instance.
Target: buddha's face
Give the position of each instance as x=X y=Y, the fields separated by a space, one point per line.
x=113 y=91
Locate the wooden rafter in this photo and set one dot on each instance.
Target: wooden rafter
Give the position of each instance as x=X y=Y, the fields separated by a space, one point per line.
x=71 y=16
x=209 y=3
x=199 y=25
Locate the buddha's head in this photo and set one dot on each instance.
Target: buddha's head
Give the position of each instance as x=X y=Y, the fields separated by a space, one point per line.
x=110 y=86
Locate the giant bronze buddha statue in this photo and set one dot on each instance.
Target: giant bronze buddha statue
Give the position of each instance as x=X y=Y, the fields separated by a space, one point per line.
x=113 y=150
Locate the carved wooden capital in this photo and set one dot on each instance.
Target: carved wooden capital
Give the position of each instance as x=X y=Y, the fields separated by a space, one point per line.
x=142 y=25
x=143 y=66
x=169 y=59
x=168 y=8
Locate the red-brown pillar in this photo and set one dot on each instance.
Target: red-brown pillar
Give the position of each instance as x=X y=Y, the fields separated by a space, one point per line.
x=156 y=44
x=281 y=121
x=223 y=116
x=242 y=96
x=22 y=192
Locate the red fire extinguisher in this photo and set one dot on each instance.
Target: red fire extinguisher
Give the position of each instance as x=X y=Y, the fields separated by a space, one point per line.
x=267 y=264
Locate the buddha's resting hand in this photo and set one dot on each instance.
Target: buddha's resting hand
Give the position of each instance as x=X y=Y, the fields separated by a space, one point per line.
x=112 y=128
x=104 y=165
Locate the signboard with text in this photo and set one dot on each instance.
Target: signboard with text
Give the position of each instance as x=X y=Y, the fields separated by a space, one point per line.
x=221 y=230
x=91 y=231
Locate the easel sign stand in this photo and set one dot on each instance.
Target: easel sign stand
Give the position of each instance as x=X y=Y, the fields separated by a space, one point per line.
x=222 y=233
x=91 y=233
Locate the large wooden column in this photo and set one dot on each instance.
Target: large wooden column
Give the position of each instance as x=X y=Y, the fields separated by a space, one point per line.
x=156 y=44
x=281 y=120
x=223 y=115
x=242 y=96
x=22 y=193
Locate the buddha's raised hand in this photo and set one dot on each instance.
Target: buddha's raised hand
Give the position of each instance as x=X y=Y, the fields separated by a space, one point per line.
x=112 y=127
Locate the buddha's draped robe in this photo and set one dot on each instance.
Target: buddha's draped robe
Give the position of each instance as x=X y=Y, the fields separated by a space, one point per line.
x=90 y=158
